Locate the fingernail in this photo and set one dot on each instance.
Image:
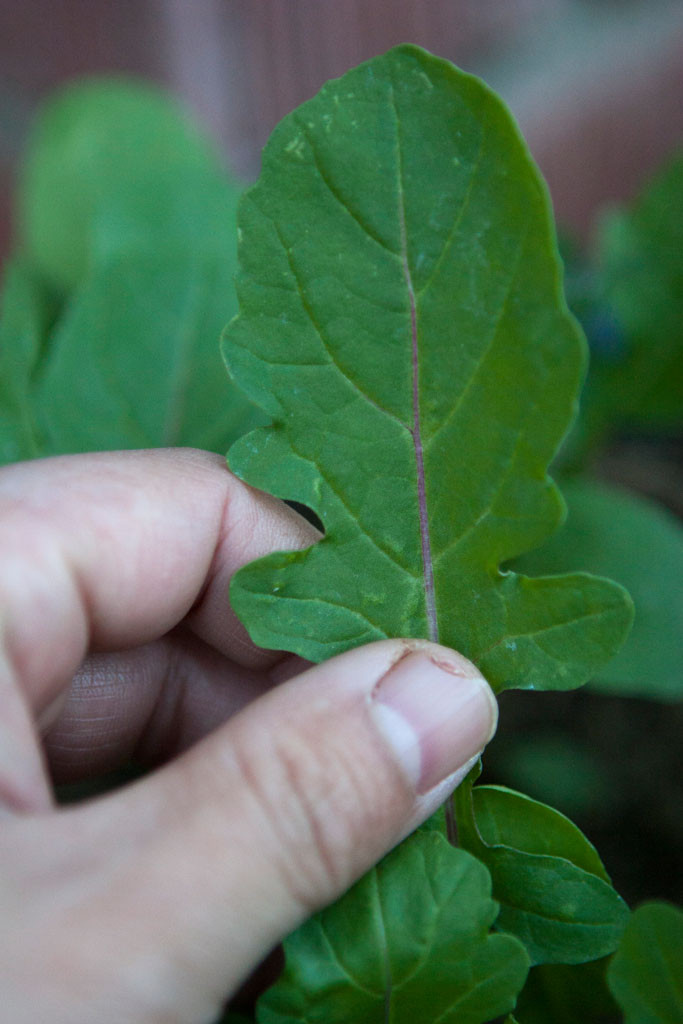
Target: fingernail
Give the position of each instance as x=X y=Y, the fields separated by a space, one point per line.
x=436 y=711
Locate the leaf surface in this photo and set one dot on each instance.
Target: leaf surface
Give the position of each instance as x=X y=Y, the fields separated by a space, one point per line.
x=612 y=533
x=409 y=942
x=402 y=321
x=646 y=973
x=554 y=893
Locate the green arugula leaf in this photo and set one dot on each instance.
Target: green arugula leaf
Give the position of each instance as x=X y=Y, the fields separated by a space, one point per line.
x=554 y=893
x=566 y=994
x=131 y=172
x=408 y=942
x=138 y=255
x=646 y=973
x=134 y=360
x=402 y=321
x=633 y=540
x=507 y=818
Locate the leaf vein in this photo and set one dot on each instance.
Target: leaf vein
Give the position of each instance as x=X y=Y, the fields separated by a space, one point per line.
x=488 y=348
x=457 y=220
x=416 y=432
x=333 y=604
x=334 y=192
x=544 y=629
x=386 y=962
x=308 y=309
x=343 y=967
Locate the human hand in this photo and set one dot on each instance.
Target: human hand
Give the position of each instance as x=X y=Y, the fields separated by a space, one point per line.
x=116 y=639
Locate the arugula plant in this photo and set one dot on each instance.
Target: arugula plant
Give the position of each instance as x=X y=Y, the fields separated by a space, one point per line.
x=403 y=329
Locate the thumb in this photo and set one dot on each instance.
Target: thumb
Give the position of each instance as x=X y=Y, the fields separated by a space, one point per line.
x=298 y=795
x=274 y=815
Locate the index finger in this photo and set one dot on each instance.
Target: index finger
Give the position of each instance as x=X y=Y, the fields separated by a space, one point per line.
x=111 y=550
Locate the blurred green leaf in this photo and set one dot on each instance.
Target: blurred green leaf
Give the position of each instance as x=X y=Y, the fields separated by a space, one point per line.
x=566 y=994
x=134 y=360
x=642 y=265
x=139 y=251
x=646 y=973
x=554 y=892
x=114 y=166
x=24 y=316
x=638 y=381
x=628 y=538
x=407 y=943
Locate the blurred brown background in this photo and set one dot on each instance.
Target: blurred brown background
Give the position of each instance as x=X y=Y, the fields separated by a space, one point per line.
x=597 y=85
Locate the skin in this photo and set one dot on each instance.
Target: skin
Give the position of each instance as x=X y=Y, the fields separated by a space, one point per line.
x=272 y=788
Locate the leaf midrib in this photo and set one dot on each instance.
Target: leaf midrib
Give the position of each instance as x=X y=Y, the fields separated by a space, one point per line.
x=415 y=431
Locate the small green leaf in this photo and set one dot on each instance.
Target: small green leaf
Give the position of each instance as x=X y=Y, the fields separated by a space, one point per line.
x=554 y=892
x=407 y=943
x=566 y=994
x=506 y=818
x=646 y=973
x=402 y=321
x=628 y=538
